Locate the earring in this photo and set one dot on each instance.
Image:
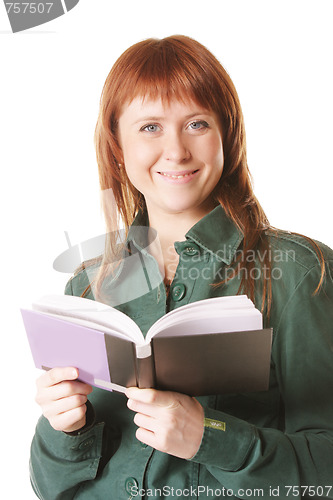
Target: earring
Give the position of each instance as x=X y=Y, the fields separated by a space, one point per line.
x=120 y=165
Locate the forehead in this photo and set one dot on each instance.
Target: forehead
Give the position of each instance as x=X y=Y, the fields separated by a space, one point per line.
x=142 y=107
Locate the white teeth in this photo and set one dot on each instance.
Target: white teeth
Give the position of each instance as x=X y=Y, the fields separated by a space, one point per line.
x=176 y=176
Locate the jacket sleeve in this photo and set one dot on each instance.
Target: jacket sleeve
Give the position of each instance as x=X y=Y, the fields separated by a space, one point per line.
x=300 y=456
x=60 y=463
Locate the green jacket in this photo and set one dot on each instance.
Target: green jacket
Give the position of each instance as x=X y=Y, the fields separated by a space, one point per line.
x=275 y=443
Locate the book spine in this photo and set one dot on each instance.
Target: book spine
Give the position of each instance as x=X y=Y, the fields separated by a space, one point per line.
x=121 y=359
x=145 y=370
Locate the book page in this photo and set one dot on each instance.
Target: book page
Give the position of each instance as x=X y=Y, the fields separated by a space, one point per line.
x=218 y=303
x=214 y=322
x=204 y=309
x=116 y=330
x=93 y=314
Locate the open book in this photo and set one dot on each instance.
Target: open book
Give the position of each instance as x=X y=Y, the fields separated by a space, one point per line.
x=212 y=346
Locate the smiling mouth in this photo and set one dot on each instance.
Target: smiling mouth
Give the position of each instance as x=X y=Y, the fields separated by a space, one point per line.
x=178 y=175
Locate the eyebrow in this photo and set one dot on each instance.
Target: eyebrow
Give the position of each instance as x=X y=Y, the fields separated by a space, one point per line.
x=157 y=118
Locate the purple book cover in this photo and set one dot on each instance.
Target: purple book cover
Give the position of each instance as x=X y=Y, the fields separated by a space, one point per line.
x=55 y=342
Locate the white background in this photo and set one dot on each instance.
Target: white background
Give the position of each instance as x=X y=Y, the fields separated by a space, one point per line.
x=279 y=55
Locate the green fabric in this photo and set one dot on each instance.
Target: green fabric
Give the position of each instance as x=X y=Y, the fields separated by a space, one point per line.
x=267 y=441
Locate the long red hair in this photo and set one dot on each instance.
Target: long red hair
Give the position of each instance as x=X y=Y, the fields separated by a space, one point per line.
x=177 y=67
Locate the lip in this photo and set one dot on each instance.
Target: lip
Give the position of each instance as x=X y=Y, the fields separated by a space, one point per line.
x=178 y=176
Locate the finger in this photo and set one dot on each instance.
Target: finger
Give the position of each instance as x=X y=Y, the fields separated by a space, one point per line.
x=64 y=421
x=63 y=405
x=68 y=388
x=146 y=422
x=62 y=390
x=152 y=410
x=138 y=407
x=153 y=396
x=146 y=437
x=143 y=395
x=56 y=375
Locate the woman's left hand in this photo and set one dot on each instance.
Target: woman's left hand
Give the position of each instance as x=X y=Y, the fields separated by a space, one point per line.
x=167 y=421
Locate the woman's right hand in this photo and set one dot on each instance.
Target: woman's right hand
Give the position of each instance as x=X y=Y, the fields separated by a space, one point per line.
x=63 y=398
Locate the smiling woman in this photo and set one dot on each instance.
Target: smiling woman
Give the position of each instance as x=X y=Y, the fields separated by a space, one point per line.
x=170 y=143
x=178 y=75
x=173 y=156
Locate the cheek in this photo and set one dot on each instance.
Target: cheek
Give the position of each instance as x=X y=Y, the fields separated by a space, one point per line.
x=138 y=154
x=130 y=151
x=139 y=158
x=214 y=150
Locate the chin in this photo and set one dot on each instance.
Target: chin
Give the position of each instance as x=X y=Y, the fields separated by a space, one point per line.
x=182 y=208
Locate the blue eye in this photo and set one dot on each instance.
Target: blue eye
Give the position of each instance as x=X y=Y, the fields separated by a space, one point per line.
x=150 y=128
x=198 y=125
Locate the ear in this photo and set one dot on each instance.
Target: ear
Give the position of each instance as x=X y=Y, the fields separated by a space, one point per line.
x=121 y=162
x=119 y=154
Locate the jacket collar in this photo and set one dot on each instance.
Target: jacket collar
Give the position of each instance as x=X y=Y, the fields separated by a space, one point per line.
x=215 y=233
x=139 y=231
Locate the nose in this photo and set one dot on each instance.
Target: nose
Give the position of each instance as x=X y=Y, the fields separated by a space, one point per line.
x=175 y=148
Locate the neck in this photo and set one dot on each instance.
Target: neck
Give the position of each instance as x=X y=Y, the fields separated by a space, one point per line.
x=170 y=228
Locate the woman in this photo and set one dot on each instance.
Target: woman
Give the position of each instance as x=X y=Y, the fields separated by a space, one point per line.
x=171 y=146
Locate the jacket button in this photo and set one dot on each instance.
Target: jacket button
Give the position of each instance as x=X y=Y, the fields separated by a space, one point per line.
x=87 y=443
x=131 y=486
x=191 y=249
x=178 y=292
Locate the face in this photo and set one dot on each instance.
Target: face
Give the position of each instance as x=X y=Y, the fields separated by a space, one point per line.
x=172 y=154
